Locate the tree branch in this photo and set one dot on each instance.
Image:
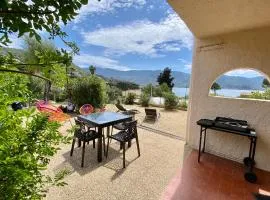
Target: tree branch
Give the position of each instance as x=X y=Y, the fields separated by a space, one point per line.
x=26 y=73
x=33 y=64
x=6 y=12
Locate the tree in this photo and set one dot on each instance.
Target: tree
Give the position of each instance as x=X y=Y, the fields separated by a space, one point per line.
x=171 y=101
x=31 y=17
x=89 y=90
x=215 y=87
x=92 y=69
x=27 y=142
x=165 y=77
x=265 y=83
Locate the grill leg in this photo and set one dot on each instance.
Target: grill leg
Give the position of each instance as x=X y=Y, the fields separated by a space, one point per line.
x=204 y=140
x=199 y=155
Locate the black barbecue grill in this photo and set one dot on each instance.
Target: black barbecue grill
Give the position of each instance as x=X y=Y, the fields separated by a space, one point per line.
x=234 y=126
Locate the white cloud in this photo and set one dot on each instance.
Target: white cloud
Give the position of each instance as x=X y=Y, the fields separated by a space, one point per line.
x=244 y=73
x=143 y=37
x=104 y=6
x=187 y=64
x=85 y=60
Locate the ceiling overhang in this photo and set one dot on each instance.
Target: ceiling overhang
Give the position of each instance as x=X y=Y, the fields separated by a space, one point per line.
x=206 y=18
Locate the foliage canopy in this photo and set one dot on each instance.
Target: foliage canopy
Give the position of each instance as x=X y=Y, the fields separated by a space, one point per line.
x=166 y=77
x=27 y=141
x=89 y=90
x=32 y=17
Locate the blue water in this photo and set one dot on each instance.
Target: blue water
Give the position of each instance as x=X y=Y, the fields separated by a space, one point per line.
x=181 y=92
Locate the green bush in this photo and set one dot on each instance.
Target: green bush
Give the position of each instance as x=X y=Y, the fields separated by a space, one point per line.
x=157 y=91
x=113 y=93
x=36 y=86
x=130 y=98
x=171 y=101
x=144 y=100
x=58 y=94
x=257 y=95
x=89 y=90
x=27 y=141
x=183 y=105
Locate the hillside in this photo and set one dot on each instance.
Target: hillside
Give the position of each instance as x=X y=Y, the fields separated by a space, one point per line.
x=143 y=77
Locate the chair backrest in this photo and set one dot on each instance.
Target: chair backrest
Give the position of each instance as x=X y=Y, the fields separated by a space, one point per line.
x=86 y=109
x=80 y=124
x=131 y=129
x=103 y=109
x=151 y=112
x=120 y=107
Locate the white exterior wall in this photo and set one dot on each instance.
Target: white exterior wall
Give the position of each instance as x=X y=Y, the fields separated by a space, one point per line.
x=246 y=49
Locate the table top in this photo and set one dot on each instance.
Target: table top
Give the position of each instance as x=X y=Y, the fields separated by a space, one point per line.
x=104 y=118
x=207 y=123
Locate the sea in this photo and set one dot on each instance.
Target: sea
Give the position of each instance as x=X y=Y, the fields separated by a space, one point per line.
x=182 y=92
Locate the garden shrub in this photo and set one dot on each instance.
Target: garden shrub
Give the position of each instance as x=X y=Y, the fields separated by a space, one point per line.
x=157 y=91
x=171 y=101
x=257 y=95
x=144 y=100
x=113 y=93
x=162 y=90
x=183 y=105
x=130 y=98
x=89 y=90
x=58 y=94
x=27 y=141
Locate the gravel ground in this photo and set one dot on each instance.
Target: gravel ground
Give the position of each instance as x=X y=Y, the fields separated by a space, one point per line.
x=172 y=122
x=144 y=177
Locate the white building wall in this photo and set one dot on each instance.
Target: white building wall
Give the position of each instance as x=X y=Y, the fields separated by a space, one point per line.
x=213 y=57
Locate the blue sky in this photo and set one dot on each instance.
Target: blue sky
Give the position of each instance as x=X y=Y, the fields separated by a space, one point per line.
x=131 y=34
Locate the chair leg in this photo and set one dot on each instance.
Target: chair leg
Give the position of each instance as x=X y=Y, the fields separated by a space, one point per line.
x=94 y=144
x=104 y=145
x=79 y=143
x=83 y=151
x=124 y=154
x=111 y=134
x=138 y=147
x=121 y=145
x=72 y=146
x=107 y=147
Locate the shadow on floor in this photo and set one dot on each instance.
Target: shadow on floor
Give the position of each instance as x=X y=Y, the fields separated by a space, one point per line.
x=113 y=162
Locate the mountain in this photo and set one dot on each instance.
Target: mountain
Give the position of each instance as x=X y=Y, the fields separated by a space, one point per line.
x=142 y=77
x=238 y=82
x=181 y=79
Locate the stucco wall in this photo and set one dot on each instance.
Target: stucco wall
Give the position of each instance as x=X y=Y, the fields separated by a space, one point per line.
x=213 y=57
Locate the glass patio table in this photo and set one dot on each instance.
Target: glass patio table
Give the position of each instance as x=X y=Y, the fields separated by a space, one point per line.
x=102 y=120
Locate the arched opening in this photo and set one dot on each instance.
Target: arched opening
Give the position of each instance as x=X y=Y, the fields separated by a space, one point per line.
x=243 y=84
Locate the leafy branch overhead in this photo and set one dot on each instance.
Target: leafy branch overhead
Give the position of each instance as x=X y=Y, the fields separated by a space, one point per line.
x=32 y=17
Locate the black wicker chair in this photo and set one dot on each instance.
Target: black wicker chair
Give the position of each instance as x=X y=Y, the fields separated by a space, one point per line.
x=125 y=136
x=122 y=126
x=84 y=135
